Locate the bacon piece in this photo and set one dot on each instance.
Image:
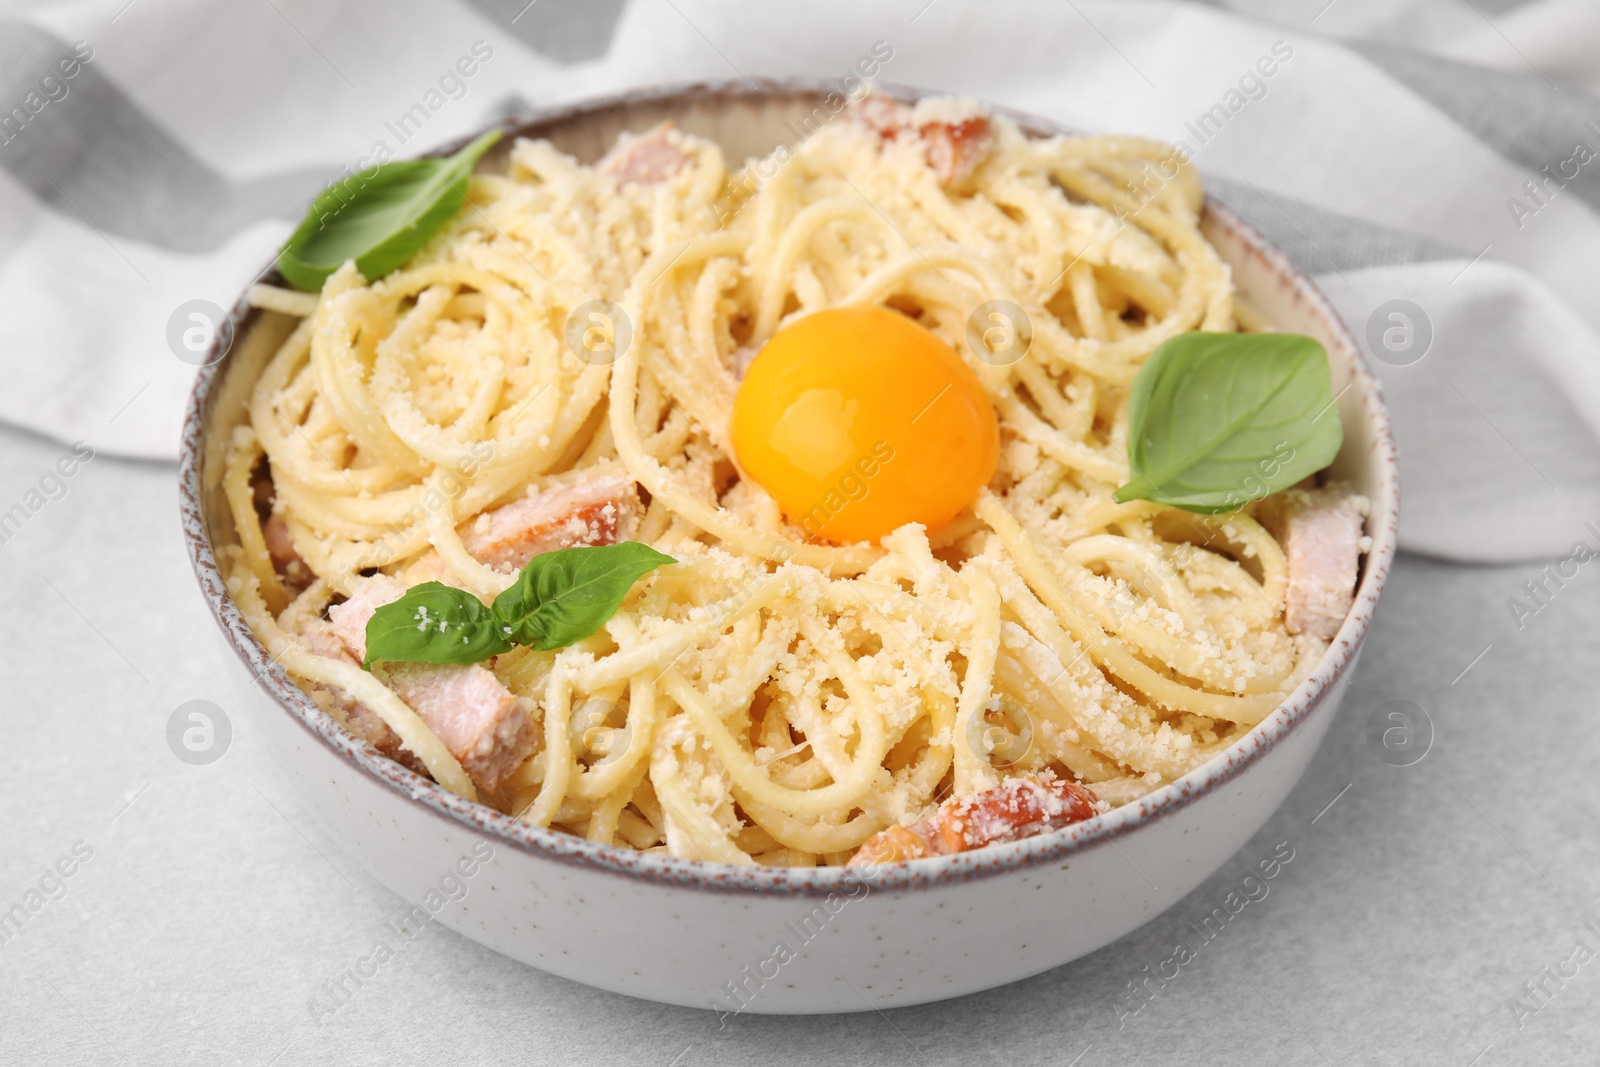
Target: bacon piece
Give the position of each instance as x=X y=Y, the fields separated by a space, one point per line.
x=1321 y=534
x=953 y=148
x=321 y=639
x=599 y=512
x=894 y=845
x=596 y=512
x=350 y=618
x=1016 y=808
x=645 y=158
x=956 y=150
x=480 y=721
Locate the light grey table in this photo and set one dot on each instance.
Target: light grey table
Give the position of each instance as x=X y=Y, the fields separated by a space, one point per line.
x=1419 y=902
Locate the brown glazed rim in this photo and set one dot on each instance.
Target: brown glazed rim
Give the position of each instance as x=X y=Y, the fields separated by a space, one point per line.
x=995 y=860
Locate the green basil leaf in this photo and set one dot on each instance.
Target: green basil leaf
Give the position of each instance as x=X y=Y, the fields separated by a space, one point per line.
x=1216 y=420
x=564 y=596
x=380 y=217
x=435 y=623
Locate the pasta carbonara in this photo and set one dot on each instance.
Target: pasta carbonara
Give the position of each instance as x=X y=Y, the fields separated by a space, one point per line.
x=772 y=697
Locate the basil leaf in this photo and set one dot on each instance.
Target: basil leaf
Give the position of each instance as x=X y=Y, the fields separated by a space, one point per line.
x=434 y=623
x=1216 y=420
x=559 y=598
x=380 y=217
x=564 y=596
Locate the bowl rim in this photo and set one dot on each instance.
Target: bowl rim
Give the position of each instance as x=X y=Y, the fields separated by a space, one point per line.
x=987 y=862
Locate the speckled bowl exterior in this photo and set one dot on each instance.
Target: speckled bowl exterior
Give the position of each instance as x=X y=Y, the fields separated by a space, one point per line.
x=769 y=940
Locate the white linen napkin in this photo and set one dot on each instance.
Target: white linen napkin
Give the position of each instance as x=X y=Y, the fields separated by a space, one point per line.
x=1433 y=163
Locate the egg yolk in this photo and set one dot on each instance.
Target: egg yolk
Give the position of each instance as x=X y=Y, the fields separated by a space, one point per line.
x=857 y=420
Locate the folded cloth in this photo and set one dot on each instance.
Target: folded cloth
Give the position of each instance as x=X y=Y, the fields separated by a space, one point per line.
x=1433 y=165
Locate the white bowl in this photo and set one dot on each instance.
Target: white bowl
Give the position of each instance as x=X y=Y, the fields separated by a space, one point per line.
x=708 y=935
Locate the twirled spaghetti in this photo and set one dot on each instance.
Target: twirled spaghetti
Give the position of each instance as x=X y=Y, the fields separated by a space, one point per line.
x=772 y=698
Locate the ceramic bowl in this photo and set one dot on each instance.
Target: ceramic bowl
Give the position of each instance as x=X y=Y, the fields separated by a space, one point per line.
x=775 y=940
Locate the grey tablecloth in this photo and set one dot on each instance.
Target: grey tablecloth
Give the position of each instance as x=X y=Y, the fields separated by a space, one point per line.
x=1420 y=901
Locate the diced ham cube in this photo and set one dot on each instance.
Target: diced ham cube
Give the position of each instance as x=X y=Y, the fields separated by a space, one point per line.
x=646 y=158
x=1016 y=808
x=954 y=147
x=596 y=512
x=599 y=512
x=321 y=639
x=1321 y=534
x=350 y=618
x=481 y=722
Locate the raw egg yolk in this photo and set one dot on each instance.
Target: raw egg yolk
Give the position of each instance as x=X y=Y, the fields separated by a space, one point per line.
x=857 y=420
